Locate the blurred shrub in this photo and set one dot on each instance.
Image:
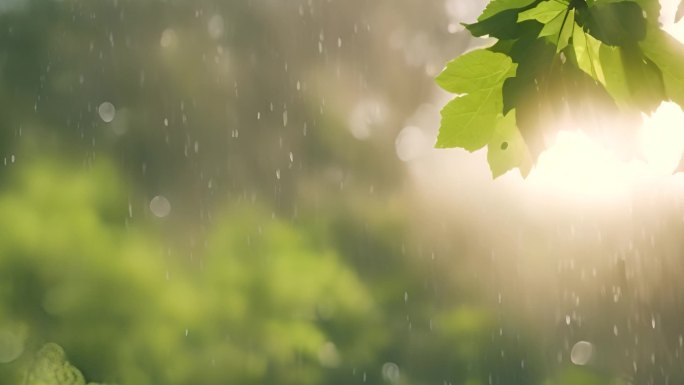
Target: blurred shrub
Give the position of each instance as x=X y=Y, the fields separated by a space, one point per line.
x=264 y=304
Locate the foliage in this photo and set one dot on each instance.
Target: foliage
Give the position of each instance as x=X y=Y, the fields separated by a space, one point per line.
x=262 y=299
x=51 y=367
x=555 y=57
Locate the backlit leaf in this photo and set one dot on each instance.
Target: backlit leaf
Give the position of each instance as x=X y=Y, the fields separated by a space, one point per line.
x=544 y=12
x=668 y=54
x=507 y=149
x=497 y=6
x=617 y=61
x=473 y=71
x=614 y=23
x=469 y=121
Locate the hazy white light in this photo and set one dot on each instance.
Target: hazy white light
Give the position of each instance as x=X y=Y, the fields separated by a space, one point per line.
x=215 y=27
x=365 y=115
x=578 y=165
x=581 y=353
x=160 y=206
x=460 y=10
x=662 y=137
x=107 y=111
x=668 y=9
x=410 y=143
x=168 y=38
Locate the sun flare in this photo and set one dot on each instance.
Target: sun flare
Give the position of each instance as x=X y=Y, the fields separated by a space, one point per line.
x=577 y=164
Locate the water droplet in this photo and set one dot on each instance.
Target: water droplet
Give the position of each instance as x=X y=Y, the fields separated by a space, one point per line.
x=107 y=111
x=216 y=27
x=160 y=206
x=581 y=353
x=168 y=38
x=390 y=372
x=285 y=118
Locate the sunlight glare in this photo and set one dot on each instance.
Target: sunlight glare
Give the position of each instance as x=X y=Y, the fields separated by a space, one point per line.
x=577 y=165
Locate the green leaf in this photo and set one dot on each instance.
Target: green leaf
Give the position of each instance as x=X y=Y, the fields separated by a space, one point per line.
x=558 y=20
x=615 y=75
x=668 y=54
x=614 y=23
x=553 y=27
x=497 y=6
x=503 y=25
x=507 y=149
x=469 y=121
x=559 y=30
x=587 y=50
x=644 y=78
x=615 y=60
x=544 y=12
x=534 y=57
x=474 y=71
x=566 y=31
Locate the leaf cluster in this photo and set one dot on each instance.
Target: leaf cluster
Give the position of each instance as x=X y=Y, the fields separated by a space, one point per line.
x=51 y=367
x=553 y=59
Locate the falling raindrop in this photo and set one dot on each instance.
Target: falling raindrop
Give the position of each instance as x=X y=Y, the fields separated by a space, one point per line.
x=215 y=27
x=390 y=372
x=581 y=353
x=160 y=206
x=168 y=38
x=107 y=111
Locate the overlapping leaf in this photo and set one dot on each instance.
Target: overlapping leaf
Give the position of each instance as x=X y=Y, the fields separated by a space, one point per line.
x=555 y=56
x=472 y=118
